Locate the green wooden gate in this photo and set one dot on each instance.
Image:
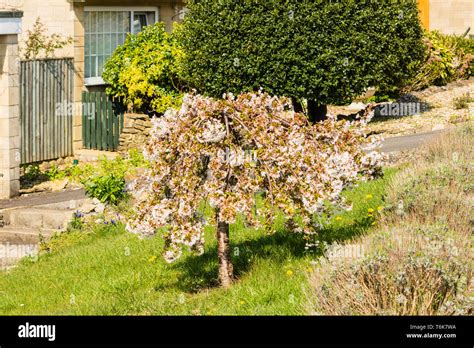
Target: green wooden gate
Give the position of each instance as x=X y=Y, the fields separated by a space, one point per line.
x=102 y=121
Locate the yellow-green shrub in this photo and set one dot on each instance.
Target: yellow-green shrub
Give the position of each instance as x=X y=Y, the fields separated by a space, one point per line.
x=448 y=58
x=144 y=73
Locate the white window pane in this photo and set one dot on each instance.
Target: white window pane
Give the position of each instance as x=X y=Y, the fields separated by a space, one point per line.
x=104 y=31
x=100 y=43
x=87 y=49
x=108 y=43
x=107 y=23
x=87 y=26
x=100 y=22
x=93 y=45
x=93 y=22
x=100 y=64
x=114 y=22
x=93 y=67
x=87 y=66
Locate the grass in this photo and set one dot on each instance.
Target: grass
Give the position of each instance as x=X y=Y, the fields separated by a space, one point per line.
x=108 y=271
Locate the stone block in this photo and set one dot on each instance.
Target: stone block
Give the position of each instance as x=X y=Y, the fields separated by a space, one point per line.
x=129 y=130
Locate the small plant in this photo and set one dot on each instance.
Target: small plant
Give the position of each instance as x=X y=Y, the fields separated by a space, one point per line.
x=106 y=188
x=38 y=44
x=77 y=221
x=55 y=173
x=32 y=173
x=463 y=101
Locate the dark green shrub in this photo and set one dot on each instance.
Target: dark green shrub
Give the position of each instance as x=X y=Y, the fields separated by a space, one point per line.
x=144 y=72
x=326 y=52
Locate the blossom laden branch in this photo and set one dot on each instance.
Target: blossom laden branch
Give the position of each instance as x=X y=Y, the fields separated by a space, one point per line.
x=198 y=153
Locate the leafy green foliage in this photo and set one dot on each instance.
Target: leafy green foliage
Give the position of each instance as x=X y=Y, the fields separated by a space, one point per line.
x=106 y=188
x=145 y=72
x=32 y=173
x=55 y=173
x=319 y=50
x=106 y=181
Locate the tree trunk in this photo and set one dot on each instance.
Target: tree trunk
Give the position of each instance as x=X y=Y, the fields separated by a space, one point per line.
x=297 y=106
x=316 y=112
x=226 y=269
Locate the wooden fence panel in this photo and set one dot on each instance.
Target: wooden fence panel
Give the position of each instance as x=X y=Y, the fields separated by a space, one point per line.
x=46 y=109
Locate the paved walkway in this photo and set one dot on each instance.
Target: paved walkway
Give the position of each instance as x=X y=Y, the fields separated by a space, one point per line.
x=407 y=142
x=41 y=198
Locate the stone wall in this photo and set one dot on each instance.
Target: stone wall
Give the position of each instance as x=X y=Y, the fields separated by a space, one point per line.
x=9 y=117
x=135 y=133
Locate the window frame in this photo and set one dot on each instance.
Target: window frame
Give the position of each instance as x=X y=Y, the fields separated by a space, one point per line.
x=97 y=80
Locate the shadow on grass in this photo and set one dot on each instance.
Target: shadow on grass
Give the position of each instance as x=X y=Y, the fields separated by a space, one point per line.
x=201 y=272
x=347 y=232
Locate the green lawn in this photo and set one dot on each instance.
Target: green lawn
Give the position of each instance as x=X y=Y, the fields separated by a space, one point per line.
x=108 y=271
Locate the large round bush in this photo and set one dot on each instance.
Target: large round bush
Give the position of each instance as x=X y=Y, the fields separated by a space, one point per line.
x=326 y=52
x=144 y=72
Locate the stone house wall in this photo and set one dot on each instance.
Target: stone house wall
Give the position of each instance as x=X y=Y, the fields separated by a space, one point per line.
x=451 y=16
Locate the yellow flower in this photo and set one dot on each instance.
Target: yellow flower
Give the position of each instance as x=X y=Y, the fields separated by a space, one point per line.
x=370 y=210
x=338 y=218
x=379 y=208
x=152 y=259
x=289 y=273
x=374 y=223
x=242 y=302
x=369 y=196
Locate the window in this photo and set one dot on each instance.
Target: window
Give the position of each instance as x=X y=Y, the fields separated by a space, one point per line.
x=105 y=29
